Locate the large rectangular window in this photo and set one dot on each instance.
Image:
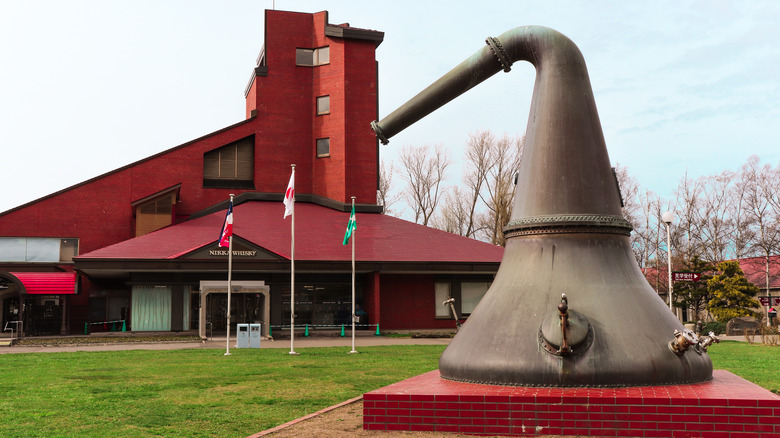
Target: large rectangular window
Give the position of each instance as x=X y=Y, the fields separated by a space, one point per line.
x=466 y=295
x=323 y=304
x=38 y=249
x=13 y=249
x=151 y=308
x=312 y=57
x=323 y=147
x=470 y=295
x=231 y=166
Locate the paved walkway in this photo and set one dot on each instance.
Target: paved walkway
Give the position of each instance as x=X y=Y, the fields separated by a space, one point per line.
x=219 y=343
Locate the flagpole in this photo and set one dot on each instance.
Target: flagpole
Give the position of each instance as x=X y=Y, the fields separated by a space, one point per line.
x=229 y=285
x=292 y=271
x=353 y=285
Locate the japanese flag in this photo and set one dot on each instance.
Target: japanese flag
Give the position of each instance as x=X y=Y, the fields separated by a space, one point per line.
x=289 y=197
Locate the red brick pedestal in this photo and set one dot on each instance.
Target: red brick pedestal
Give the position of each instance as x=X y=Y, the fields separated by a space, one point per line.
x=728 y=407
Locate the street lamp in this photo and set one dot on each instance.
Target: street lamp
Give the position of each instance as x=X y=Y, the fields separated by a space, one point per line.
x=667 y=217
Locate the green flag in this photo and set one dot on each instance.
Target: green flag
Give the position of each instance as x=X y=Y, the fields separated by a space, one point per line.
x=351 y=226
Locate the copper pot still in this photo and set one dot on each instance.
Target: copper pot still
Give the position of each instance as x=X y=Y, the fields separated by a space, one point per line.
x=569 y=306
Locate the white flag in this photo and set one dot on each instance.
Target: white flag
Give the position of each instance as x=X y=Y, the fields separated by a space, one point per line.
x=289 y=196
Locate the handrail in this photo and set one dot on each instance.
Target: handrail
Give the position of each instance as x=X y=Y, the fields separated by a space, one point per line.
x=18 y=330
x=306 y=327
x=105 y=324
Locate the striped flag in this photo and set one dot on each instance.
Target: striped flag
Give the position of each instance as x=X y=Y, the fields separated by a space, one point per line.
x=227 y=228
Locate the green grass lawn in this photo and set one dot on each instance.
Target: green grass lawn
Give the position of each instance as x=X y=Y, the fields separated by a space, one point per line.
x=204 y=393
x=189 y=393
x=755 y=362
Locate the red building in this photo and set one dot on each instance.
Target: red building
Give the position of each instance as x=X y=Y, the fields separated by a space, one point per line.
x=138 y=245
x=761 y=271
x=764 y=272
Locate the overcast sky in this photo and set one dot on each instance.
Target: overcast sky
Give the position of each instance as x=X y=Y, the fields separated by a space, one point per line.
x=90 y=86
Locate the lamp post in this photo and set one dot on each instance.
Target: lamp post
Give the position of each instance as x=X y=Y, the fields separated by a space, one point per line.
x=667 y=217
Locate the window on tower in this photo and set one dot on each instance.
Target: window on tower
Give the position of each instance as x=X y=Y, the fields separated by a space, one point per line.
x=323 y=105
x=312 y=57
x=323 y=147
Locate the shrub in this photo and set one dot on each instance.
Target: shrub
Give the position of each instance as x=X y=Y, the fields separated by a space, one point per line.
x=714 y=326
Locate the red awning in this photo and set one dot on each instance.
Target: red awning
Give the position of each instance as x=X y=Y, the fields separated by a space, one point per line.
x=47 y=283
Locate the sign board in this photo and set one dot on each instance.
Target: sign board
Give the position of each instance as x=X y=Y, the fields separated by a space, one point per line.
x=765 y=301
x=236 y=253
x=686 y=276
x=242 y=250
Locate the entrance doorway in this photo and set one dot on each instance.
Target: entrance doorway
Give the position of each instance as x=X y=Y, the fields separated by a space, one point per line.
x=250 y=303
x=245 y=308
x=43 y=315
x=10 y=311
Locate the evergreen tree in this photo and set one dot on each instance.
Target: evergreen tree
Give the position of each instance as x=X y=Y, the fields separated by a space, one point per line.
x=731 y=294
x=694 y=295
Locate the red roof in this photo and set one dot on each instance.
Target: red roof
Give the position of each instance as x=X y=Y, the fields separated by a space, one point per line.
x=319 y=232
x=755 y=271
x=47 y=283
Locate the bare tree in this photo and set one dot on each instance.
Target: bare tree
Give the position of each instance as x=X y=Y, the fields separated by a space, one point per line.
x=643 y=210
x=741 y=219
x=505 y=159
x=771 y=184
x=638 y=209
x=384 y=198
x=715 y=225
x=761 y=202
x=477 y=167
x=455 y=214
x=424 y=170
x=687 y=233
x=459 y=211
x=645 y=235
x=629 y=192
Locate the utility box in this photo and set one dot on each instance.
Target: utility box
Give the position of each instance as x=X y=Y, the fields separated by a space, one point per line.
x=255 y=334
x=242 y=336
